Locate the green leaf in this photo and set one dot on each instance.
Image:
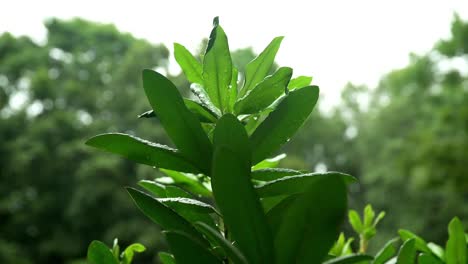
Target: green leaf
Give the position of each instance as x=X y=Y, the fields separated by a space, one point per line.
x=188 y=250
x=199 y=91
x=369 y=215
x=264 y=93
x=188 y=204
x=217 y=68
x=355 y=221
x=455 y=252
x=99 y=253
x=163 y=215
x=142 y=151
x=297 y=183
x=308 y=223
x=407 y=253
x=299 y=82
x=269 y=202
x=155 y=188
x=231 y=251
x=233 y=89
x=379 y=217
x=203 y=113
x=425 y=258
x=283 y=122
x=174 y=191
x=386 y=253
x=181 y=125
x=269 y=163
x=420 y=244
x=188 y=181
x=258 y=68
x=271 y=174
x=127 y=255
x=350 y=259
x=191 y=67
x=166 y=258
x=230 y=178
x=437 y=250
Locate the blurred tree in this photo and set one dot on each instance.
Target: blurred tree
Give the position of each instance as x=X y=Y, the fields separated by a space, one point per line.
x=58 y=195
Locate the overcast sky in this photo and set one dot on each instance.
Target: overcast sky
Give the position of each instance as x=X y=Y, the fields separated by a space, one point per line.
x=333 y=41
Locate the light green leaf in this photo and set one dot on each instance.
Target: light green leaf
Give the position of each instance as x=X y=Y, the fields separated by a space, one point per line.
x=386 y=253
x=163 y=215
x=203 y=113
x=271 y=174
x=187 y=181
x=437 y=250
x=166 y=258
x=231 y=251
x=233 y=89
x=350 y=259
x=127 y=255
x=217 y=68
x=187 y=250
x=99 y=253
x=355 y=221
x=174 y=191
x=455 y=251
x=188 y=204
x=264 y=93
x=299 y=82
x=369 y=215
x=308 y=221
x=297 y=184
x=258 y=68
x=269 y=163
x=420 y=244
x=407 y=253
x=230 y=178
x=142 y=151
x=181 y=125
x=157 y=189
x=191 y=67
x=199 y=91
x=283 y=122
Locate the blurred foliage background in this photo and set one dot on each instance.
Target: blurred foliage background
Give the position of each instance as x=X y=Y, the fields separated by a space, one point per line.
x=406 y=140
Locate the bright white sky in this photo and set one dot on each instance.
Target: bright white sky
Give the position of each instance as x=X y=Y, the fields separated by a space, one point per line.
x=334 y=41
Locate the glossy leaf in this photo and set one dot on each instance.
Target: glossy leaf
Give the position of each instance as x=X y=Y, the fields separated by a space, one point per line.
x=264 y=93
x=199 y=91
x=386 y=253
x=299 y=82
x=187 y=204
x=455 y=252
x=99 y=253
x=230 y=178
x=271 y=174
x=231 y=251
x=350 y=259
x=203 y=113
x=181 y=125
x=174 y=191
x=270 y=162
x=437 y=250
x=157 y=189
x=163 y=215
x=233 y=89
x=188 y=250
x=191 y=67
x=217 y=68
x=166 y=258
x=258 y=68
x=142 y=151
x=283 y=122
x=420 y=244
x=308 y=223
x=297 y=184
x=188 y=181
x=407 y=253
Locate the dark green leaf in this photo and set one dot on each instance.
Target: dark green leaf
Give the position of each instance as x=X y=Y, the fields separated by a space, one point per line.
x=99 y=253
x=203 y=113
x=199 y=91
x=270 y=202
x=217 y=69
x=174 y=191
x=187 y=204
x=166 y=258
x=264 y=93
x=188 y=181
x=191 y=67
x=155 y=188
x=188 y=250
x=420 y=244
x=163 y=215
x=231 y=251
x=297 y=183
x=283 y=122
x=271 y=174
x=308 y=223
x=181 y=125
x=299 y=82
x=455 y=252
x=142 y=151
x=258 y=69
x=350 y=259
x=407 y=253
x=425 y=258
x=386 y=253
x=230 y=178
